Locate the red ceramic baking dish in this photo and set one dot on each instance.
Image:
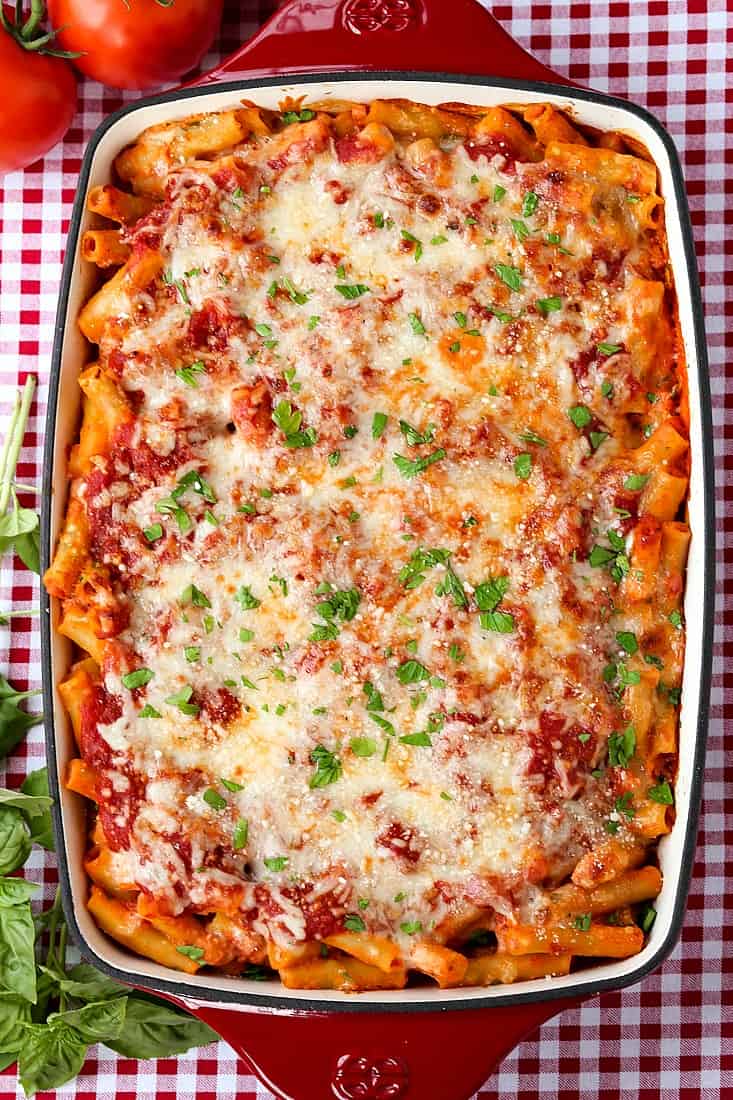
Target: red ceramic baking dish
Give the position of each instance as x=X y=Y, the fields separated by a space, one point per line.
x=384 y=1045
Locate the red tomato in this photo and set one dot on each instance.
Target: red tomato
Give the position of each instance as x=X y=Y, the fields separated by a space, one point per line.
x=37 y=101
x=136 y=43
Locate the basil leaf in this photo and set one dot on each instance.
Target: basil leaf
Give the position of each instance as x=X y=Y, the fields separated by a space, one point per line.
x=96 y=1022
x=155 y=1030
x=85 y=983
x=15 y=1012
x=21 y=521
x=15 y=843
x=14 y=891
x=49 y=1057
x=14 y=722
x=28 y=549
x=30 y=805
x=36 y=784
x=17 y=958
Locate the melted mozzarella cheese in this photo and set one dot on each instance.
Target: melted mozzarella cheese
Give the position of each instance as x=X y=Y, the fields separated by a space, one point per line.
x=390 y=748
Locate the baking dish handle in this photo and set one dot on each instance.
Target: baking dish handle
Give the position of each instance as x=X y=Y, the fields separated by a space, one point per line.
x=377 y=1056
x=453 y=36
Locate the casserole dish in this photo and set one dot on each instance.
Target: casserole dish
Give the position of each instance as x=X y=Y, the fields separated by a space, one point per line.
x=376 y=1067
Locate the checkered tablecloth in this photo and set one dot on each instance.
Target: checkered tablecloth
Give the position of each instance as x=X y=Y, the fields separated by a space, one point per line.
x=672 y=1035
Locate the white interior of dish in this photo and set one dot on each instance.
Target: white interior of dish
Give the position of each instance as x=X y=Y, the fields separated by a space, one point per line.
x=76 y=351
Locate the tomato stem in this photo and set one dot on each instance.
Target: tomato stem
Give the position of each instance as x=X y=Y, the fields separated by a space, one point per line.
x=24 y=33
x=33 y=21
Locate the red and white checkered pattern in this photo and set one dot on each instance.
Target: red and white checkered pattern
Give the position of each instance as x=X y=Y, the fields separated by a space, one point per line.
x=672 y=1035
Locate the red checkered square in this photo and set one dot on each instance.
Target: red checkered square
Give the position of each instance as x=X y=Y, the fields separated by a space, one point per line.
x=672 y=1035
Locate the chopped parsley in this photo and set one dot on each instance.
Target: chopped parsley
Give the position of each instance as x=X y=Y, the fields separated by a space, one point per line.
x=276 y=863
x=187 y=374
x=581 y=416
x=194 y=596
x=623 y=805
x=150 y=712
x=416 y=324
x=530 y=204
x=613 y=558
x=245 y=599
x=621 y=747
x=421 y=739
x=510 y=276
x=410 y=927
x=240 y=835
x=675 y=618
x=499 y=192
x=192 y=653
x=339 y=607
x=627 y=640
x=413 y=240
x=661 y=793
x=137 y=679
x=354 y=923
x=379 y=423
x=289 y=117
x=488 y=596
x=411 y=468
x=214 y=799
x=412 y=672
x=351 y=291
x=230 y=784
x=549 y=305
x=636 y=482
x=328 y=767
x=608 y=349
x=153 y=532
x=521 y=229
x=413 y=437
x=528 y=436
x=582 y=922
x=523 y=466
x=190 y=952
x=289 y=420
x=181 y=699
x=363 y=746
